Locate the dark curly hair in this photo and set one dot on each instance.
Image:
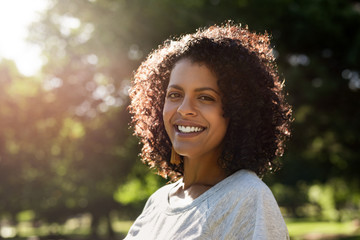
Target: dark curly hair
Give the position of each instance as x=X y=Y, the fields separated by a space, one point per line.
x=253 y=98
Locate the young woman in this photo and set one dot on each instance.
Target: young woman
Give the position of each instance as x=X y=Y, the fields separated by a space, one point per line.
x=210 y=112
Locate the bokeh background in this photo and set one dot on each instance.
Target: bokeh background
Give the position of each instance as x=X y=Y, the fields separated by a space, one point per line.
x=69 y=165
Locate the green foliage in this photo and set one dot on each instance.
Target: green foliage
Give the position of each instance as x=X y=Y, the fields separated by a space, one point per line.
x=324 y=196
x=24 y=216
x=53 y=161
x=137 y=190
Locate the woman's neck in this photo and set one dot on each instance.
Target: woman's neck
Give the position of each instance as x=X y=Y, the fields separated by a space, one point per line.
x=204 y=172
x=200 y=174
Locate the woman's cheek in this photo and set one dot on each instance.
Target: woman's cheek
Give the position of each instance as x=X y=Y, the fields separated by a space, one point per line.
x=167 y=115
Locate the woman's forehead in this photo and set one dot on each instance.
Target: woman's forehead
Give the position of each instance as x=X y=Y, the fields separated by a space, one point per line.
x=187 y=72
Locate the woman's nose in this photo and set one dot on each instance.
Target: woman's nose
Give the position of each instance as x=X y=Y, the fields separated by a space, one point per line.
x=186 y=108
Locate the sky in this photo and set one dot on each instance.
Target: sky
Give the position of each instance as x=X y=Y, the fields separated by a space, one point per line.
x=15 y=17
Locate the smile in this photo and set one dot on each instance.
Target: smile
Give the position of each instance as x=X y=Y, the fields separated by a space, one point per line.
x=189 y=129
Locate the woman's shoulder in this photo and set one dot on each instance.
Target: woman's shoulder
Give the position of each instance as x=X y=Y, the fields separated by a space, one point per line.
x=243 y=185
x=246 y=180
x=246 y=207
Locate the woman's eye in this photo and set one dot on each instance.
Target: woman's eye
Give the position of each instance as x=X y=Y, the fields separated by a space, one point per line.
x=206 y=98
x=173 y=95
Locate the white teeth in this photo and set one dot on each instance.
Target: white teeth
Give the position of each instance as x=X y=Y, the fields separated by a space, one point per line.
x=188 y=129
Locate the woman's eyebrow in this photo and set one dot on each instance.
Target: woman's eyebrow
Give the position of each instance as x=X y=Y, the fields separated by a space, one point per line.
x=196 y=90
x=207 y=89
x=175 y=86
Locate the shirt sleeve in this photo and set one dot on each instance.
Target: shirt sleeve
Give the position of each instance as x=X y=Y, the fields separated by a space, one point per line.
x=269 y=223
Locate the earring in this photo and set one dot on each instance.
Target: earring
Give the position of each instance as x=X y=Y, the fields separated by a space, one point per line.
x=175 y=157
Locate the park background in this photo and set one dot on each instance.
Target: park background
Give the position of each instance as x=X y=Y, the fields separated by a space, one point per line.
x=69 y=165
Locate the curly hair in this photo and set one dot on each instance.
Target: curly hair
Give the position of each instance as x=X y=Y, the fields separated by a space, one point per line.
x=253 y=98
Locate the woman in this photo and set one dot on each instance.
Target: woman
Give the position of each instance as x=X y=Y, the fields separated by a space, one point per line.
x=210 y=112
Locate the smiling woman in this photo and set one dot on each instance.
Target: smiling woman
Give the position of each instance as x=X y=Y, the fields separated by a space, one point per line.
x=210 y=111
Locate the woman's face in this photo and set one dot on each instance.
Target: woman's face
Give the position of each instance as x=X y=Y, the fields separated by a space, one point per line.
x=193 y=114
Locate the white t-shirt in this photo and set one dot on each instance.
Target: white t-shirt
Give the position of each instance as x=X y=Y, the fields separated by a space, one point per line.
x=239 y=207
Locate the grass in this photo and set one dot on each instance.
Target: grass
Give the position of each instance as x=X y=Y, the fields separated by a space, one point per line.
x=307 y=229
x=299 y=229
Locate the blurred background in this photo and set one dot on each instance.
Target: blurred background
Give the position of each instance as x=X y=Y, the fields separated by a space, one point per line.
x=69 y=165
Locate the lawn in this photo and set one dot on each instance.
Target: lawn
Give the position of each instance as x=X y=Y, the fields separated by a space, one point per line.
x=301 y=229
